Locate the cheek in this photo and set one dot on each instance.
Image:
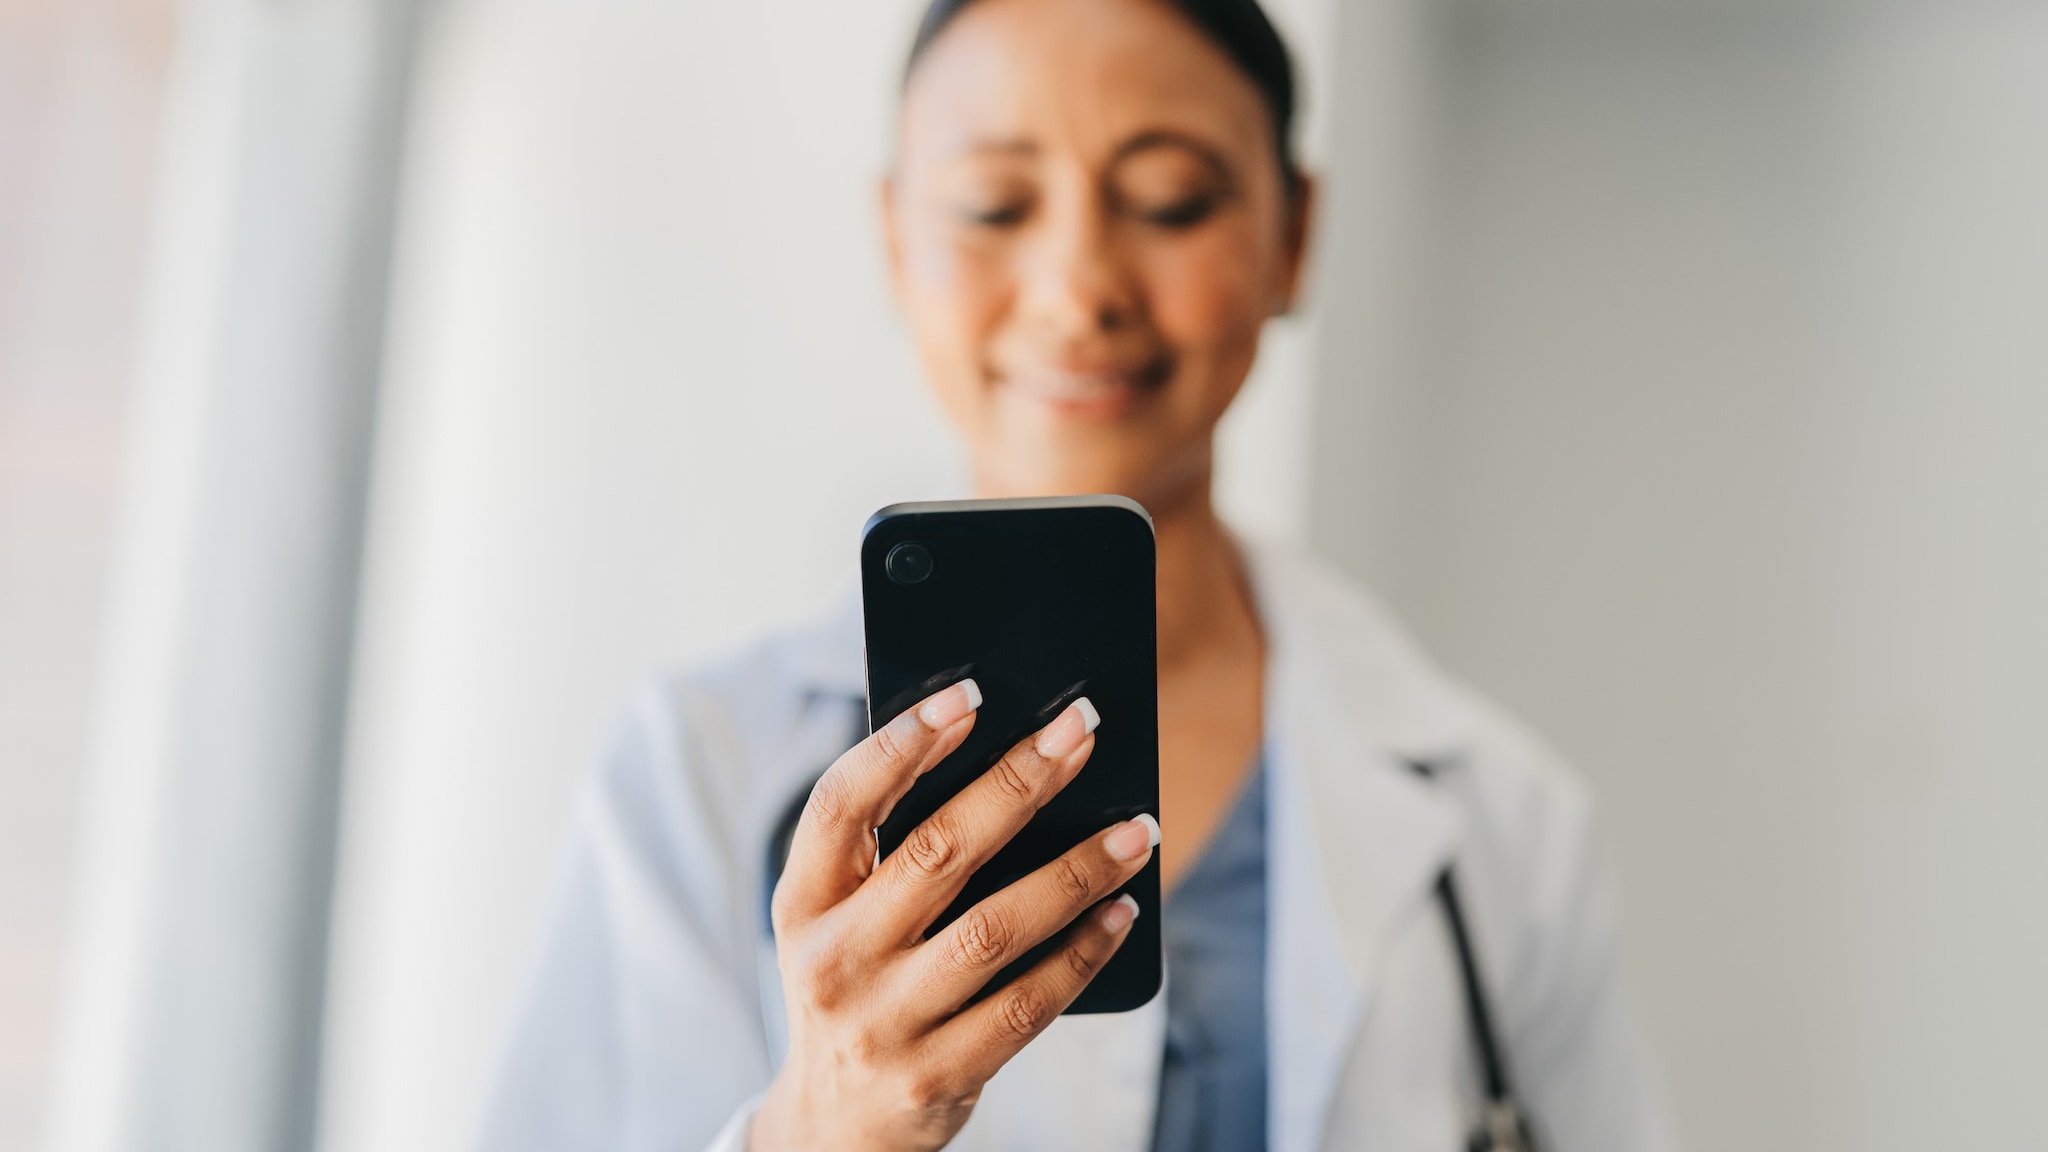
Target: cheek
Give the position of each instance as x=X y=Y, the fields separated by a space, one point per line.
x=955 y=299
x=1210 y=300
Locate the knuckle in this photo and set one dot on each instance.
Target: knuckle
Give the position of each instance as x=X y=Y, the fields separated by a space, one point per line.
x=816 y=980
x=831 y=804
x=1021 y=1010
x=932 y=1093
x=819 y=997
x=930 y=849
x=1012 y=781
x=1073 y=880
x=980 y=939
x=922 y=1091
x=890 y=745
x=1081 y=964
x=866 y=1048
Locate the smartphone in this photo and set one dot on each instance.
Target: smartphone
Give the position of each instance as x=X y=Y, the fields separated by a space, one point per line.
x=1040 y=601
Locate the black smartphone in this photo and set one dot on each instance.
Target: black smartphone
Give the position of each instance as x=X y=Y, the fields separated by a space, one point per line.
x=1040 y=601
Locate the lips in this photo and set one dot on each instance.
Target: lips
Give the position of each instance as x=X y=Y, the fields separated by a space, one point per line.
x=1088 y=391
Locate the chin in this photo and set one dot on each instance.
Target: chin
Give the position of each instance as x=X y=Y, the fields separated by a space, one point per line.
x=1060 y=470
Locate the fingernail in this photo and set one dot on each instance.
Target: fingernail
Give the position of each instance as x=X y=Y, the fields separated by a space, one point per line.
x=1137 y=837
x=946 y=708
x=1065 y=734
x=1118 y=913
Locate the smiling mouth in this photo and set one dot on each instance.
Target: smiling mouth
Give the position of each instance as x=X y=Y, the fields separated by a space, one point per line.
x=1097 y=393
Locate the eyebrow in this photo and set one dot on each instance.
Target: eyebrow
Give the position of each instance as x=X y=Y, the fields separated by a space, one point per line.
x=1142 y=142
x=1001 y=145
x=1168 y=138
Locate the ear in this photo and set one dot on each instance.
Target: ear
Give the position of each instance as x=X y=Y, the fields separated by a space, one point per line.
x=892 y=236
x=1300 y=217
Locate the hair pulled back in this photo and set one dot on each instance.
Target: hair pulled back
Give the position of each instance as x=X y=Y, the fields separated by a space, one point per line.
x=1238 y=27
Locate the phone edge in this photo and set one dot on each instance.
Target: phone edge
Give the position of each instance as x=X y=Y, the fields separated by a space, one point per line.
x=1007 y=504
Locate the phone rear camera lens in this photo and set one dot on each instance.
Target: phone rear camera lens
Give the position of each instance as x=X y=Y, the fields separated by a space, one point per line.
x=909 y=563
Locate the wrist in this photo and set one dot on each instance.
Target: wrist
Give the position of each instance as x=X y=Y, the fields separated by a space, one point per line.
x=766 y=1130
x=786 y=1120
x=779 y=1123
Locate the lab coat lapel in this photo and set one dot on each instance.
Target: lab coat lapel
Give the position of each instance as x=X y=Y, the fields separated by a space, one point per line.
x=1354 y=840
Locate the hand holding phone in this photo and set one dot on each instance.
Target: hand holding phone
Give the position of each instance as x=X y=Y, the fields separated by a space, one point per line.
x=885 y=1048
x=950 y=889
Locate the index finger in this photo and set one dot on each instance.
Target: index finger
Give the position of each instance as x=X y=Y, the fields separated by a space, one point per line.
x=833 y=848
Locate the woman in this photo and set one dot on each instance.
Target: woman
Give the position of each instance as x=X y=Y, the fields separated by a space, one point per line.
x=1094 y=213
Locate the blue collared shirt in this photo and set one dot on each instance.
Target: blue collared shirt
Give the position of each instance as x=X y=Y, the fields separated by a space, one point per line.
x=1212 y=1080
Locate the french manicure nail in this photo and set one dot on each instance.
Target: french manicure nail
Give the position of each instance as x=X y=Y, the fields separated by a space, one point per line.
x=1118 y=913
x=1151 y=824
x=1065 y=734
x=946 y=708
x=1137 y=837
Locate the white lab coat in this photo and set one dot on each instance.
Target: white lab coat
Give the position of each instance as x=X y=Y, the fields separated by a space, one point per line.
x=653 y=1018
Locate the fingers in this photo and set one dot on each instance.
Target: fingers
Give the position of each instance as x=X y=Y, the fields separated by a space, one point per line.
x=962 y=958
x=923 y=875
x=982 y=1039
x=833 y=848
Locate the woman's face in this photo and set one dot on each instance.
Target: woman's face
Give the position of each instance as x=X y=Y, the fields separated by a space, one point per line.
x=1087 y=229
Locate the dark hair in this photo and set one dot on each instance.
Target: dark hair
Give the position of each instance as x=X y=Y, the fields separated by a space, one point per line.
x=1239 y=27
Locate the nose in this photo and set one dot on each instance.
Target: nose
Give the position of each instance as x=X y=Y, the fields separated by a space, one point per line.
x=1079 y=283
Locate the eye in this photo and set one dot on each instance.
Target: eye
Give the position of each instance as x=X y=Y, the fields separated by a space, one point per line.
x=1003 y=214
x=1176 y=214
x=1171 y=187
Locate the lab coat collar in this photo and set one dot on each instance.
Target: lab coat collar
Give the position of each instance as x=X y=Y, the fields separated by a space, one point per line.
x=1355 y=838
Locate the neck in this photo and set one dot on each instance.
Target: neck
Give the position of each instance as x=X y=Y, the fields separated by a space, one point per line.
x=1204 y=597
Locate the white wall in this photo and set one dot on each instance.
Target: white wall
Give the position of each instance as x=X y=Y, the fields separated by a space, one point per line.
x=79 y=85
x=645 y=385
x=1723 y=461
x=198 y=927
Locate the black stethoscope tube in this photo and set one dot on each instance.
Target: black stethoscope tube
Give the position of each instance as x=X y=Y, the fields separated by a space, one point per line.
x=1505 y=1128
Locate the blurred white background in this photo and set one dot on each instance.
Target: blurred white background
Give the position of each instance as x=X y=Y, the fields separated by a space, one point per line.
x=1679 y=372
x=81 y=92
